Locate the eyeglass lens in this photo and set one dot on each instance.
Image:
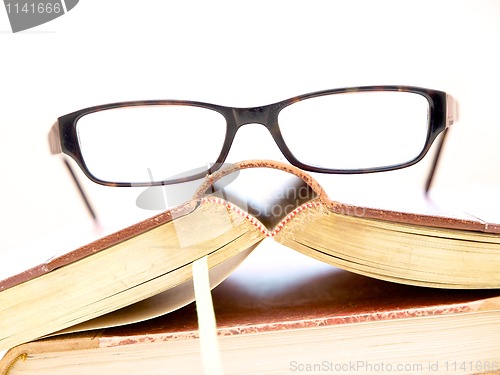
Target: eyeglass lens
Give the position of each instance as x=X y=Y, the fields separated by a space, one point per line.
x=151 y=143
x=358 y=130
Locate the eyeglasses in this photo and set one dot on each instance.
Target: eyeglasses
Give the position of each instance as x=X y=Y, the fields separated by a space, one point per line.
x=344 y=131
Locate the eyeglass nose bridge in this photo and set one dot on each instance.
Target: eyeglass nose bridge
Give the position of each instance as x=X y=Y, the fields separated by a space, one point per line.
x=254 y=115
x=268 y=117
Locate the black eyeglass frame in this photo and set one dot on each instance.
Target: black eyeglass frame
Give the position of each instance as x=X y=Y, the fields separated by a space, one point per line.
x=63 y=137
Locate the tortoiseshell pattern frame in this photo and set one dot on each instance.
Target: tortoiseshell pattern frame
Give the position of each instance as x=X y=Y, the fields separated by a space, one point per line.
x=63 y=136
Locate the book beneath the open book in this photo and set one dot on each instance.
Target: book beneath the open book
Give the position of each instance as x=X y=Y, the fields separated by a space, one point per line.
x=155 y=256
x=277 y=318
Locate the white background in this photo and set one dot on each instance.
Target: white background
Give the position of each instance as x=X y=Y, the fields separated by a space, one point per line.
x=239 y=54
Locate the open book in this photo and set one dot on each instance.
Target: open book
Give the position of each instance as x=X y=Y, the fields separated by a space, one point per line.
x=155 y=256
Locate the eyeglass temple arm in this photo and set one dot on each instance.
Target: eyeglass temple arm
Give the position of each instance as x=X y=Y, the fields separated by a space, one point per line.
x=435 y=161
x=85 y=199
x=451 y=117
x=55 y=148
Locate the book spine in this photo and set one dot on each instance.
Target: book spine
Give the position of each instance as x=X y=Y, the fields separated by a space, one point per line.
x=254 y=221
